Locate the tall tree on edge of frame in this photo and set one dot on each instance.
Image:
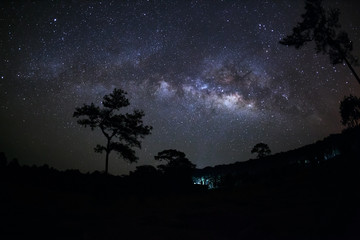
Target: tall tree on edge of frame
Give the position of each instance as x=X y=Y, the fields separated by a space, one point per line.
x=322 y=26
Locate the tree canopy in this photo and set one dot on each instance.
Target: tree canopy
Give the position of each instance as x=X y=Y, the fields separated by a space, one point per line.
x=262 y=149
x=178 y=168
x=123 y=131
x=323 y=27
x=175 y=160
x=350 y=111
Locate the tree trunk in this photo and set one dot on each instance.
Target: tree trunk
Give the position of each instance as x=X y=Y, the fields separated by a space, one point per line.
x=107 y=156
x=107 y=162
x=337 y=47
x=352 y=70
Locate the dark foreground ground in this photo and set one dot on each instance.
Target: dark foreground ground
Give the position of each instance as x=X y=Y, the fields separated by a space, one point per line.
x=312 y=203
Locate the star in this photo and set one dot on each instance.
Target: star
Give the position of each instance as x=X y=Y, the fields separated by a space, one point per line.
x=211 y=78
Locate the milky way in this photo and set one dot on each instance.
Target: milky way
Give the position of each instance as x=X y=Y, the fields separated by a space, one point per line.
x=210 y=75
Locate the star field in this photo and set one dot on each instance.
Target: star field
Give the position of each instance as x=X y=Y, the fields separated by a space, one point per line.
x=210 y=75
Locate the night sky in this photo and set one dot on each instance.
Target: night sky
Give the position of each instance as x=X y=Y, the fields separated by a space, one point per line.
x=210 y=75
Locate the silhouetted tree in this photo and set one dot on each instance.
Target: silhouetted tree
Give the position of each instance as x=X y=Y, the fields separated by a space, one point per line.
x=175 y=159
x=178 y=168
x=145 y=179
x=145 y=171
x=323 y=27
x=122 y=131
x=350 y=111
x=262 y=149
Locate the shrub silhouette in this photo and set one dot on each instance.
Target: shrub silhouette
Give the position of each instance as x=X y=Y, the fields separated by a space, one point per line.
x=262 y=149
x=178 y=169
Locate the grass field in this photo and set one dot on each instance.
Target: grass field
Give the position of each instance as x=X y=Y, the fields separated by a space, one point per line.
x=315 y=203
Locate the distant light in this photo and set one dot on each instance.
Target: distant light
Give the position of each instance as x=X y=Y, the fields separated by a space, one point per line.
x=55 y=19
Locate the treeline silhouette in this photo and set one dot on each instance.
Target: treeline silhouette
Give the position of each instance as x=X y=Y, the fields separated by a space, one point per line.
x=281 y=196
x=178 y=175
x=334 y=148
x=144 y=180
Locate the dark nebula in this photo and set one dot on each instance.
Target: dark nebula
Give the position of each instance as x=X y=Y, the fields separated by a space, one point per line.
x=210 y=75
